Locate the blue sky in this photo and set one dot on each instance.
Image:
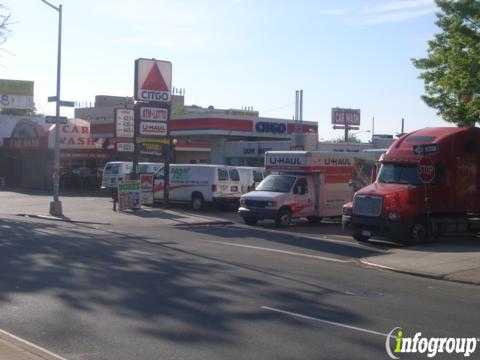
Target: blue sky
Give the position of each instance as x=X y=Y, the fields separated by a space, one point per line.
x=234 y=53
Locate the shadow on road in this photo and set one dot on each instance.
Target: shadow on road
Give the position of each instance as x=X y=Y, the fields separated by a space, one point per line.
x=176 y=295
x=298 y=240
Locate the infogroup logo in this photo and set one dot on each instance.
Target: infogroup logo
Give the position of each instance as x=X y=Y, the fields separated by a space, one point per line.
x=427 y=346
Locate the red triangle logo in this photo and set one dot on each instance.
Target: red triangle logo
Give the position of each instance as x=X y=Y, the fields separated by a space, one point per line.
x=154 y=80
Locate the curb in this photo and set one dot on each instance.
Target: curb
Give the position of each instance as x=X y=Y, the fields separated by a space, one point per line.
x=204 y=223
x=29 y=347
x=418 y=274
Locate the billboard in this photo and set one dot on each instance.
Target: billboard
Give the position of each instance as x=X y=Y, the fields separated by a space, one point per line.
x=153 y=80
x=350 y=117
x=16 y=94
x=124 y=123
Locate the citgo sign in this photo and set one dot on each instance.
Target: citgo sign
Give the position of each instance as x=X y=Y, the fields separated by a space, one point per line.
x=153 y=80
x=271 y=127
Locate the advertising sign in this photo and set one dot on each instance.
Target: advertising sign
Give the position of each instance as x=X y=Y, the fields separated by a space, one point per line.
x=129 y=195
x=426 y=170
x=16 y=94
x=124 y=123
x=153 y=80
x=148 y=113
x=125 y=147
x=146 y=186
x=150 y=128
x=346 y=117
x=151 y=146
x=75 y=135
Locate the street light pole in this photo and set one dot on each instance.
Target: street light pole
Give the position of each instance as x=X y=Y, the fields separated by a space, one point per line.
x=56 y=204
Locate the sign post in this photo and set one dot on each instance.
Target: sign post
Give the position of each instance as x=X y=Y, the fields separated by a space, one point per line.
x=346 y=119
x=153 y=84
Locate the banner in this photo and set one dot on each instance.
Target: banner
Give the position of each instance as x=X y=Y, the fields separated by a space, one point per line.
x=146 y=186
x=129 y=195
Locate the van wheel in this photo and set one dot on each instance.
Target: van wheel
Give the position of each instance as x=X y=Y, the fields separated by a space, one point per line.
x=283 y=218
x=250 y=220
x=314 y=219
x=357 y=235
x=197 y=202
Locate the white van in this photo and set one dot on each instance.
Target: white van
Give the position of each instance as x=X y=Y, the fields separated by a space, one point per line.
x=303 y=184
x=196 y=184
x=248 y=178
x=115 y=172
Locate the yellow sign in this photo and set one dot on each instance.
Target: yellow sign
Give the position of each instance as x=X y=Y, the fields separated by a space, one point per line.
x=162 y=140
x=16 y=87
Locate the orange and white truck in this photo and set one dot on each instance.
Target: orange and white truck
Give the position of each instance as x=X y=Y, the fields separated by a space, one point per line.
x=305 y=184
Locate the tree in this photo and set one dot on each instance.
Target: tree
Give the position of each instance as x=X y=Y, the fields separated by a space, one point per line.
x=352 y=138
x=451 y=69
x=4 y=22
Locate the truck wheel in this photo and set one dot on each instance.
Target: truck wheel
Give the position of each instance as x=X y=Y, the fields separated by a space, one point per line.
x=197 y=202
x=419 y=234
x=250 y=220
x=357 y=235
x=283 y=218
x=314 y=219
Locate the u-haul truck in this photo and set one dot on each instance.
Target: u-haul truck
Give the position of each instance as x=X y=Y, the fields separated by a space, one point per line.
x=305 y=184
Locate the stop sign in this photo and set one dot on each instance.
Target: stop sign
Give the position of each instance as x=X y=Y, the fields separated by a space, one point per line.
x=426 y=170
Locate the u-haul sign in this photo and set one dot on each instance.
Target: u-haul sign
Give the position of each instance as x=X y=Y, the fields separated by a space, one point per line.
x=153 y=80
x=306 y=161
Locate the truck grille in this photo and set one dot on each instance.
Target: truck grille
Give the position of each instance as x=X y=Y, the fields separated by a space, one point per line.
x=367 y=205
x=256 y=203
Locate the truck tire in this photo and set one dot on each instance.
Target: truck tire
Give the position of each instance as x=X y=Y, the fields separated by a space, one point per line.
x=357 y=235
x=197 y=202
x=314 y=219
x=419 y=234
x=250 y=220
x=283 y=218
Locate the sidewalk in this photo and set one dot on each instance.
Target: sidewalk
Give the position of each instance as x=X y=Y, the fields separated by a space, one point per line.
x=449 y=260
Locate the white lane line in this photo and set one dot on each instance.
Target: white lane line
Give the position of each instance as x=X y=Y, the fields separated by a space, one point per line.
x=281 y=251
x=38 y=350
x=356 y=328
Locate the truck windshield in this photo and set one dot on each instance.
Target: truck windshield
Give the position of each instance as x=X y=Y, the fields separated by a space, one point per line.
x=276 y=183
x=398 y=174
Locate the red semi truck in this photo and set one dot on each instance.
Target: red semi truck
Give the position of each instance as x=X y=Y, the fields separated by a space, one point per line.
x=399 y=205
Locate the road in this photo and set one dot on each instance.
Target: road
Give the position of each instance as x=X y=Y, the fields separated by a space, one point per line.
x=147 y=289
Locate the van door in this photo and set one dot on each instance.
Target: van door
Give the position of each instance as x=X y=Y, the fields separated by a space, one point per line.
x=303 y=197
x=235 y=184
x=223 y=183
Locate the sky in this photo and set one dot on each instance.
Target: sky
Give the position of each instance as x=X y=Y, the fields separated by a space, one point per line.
x=235 y=53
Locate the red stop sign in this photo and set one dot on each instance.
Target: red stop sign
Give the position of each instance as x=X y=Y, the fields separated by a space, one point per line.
x=426 y=170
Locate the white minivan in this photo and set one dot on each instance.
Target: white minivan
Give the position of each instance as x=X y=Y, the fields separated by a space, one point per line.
x=197 y=184
x=116 y=171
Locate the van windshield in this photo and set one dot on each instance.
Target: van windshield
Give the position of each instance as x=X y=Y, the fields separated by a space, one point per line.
x=398 y=174
x=276 y=183
x=112 y=169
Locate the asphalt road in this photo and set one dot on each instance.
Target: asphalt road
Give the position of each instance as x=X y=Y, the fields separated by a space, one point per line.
x=140 y=290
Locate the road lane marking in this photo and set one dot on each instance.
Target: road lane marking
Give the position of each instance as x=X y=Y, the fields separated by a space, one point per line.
x=281 y=251
x=27 y=345
x=334 y=323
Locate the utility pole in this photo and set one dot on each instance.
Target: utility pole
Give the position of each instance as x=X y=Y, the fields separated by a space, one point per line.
x=56 y=204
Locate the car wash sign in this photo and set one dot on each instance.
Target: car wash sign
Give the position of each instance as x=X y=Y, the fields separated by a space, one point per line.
x=153 y=80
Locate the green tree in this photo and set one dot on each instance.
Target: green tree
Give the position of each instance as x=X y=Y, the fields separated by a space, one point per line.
x=451 y=69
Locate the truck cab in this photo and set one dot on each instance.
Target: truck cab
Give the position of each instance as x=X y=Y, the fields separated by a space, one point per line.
x=402 y=207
